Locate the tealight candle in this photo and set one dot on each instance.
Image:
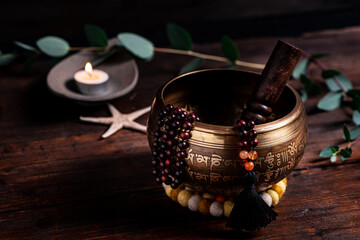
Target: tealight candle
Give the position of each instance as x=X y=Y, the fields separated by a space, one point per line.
x=91 y=81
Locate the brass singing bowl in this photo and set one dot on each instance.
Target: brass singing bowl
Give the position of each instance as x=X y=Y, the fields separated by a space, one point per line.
x=218 y=97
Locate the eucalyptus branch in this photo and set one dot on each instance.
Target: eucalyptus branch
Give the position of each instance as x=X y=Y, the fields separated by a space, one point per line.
x=208 y=57
x=323 y=68
x=88 y=48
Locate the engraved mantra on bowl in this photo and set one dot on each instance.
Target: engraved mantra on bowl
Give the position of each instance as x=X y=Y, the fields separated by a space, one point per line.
x=273 y=161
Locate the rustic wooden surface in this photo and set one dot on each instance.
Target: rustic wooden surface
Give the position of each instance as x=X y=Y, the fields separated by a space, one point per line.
x=59 y=181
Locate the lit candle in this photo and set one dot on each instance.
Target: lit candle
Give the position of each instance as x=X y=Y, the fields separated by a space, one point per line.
x=91 y=81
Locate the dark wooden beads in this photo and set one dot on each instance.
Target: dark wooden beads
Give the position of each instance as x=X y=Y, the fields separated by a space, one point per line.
x=247 y=141
x=169 y=148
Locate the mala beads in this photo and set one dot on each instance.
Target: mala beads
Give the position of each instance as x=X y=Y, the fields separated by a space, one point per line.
x=219 y=205
x=247 y=141
x=170 y=146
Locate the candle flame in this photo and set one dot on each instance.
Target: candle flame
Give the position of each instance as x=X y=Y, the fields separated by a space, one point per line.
x=88 y=67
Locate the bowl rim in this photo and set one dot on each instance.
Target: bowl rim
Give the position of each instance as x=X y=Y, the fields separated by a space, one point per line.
x=225 y=130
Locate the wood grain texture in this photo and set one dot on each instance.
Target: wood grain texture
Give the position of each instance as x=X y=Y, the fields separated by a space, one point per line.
x=274 y=77
x=59 y=181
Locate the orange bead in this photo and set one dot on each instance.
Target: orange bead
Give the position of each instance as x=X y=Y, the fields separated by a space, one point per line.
x=220 y=198
x=249 y=166
x=244 y=154
x=253 y=155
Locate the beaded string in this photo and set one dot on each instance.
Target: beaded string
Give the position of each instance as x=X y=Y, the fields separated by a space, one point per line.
x=247 y=142
x=219 y=205
x=170 y=146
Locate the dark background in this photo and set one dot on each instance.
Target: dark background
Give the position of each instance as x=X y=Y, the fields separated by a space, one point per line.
x=207 y=20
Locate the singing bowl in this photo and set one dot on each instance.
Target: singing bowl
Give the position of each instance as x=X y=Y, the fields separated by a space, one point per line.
x=218 y=97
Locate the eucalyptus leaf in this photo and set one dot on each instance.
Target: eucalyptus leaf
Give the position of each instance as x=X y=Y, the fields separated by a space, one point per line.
x=355 y=132
x=103 y=57
x=25 y=46
x=29 y=62
x=328 y=151
x=346 y=133
x=96 y=36
x=53 y=46
x=229 y=49
x=300 y=69
x=330 y=101
x=179 y=38
x=355 y=103
x=193 y=65
x=356 y=117
x=137 y=45
x=330 y=73
x=303 y=95
x=311 y=88
x=7 y=58
x=331 y=84
x=345 y=154
x=319 y=55
x=353 y=92
x=333 y=158
x=231 y=65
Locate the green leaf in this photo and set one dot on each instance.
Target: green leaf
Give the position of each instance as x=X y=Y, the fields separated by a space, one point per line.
x=320 y=55
x=231 y=65
x=193 y=65
x=329 y=151
x=311 y=88
x=103 y=57
x=356 y=117
x=303 y=95
x=346 y=133
x=300 y=69
x=330 y=101
x=53 y=46
x=331 y=84
x=333 y=158
x=355 y=132
x=355 y=103
x=353 y=92
x=29 y=62
x=137 y=45
x=345 y=154
x=25 y=46
x=179 y=38
x=229 y=49
x=330 y=73
x=7 y=58
x=96 y=36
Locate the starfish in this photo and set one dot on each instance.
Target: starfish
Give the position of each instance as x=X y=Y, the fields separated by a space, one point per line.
x=119 y=120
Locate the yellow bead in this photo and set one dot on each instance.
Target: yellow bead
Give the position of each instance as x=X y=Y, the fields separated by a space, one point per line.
x=228 y=206
x=243 y=154
x=174 y=193
x=253 y=155
x=285 y=181
x=183 y=197
x=168 y=190
x=277 y=189
x=274 y=197
x=208 y=196
x=204 y=206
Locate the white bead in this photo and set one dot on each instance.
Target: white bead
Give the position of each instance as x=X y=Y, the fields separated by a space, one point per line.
x=267 y=198
x=193 y=203
x=216 y=209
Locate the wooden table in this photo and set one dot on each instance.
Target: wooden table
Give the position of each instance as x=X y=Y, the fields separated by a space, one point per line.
x=58 y=180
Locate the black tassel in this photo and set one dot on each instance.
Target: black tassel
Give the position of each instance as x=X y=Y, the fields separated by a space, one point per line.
x=250 y=212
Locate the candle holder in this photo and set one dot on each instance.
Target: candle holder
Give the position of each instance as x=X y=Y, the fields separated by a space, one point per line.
x=121 y=67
